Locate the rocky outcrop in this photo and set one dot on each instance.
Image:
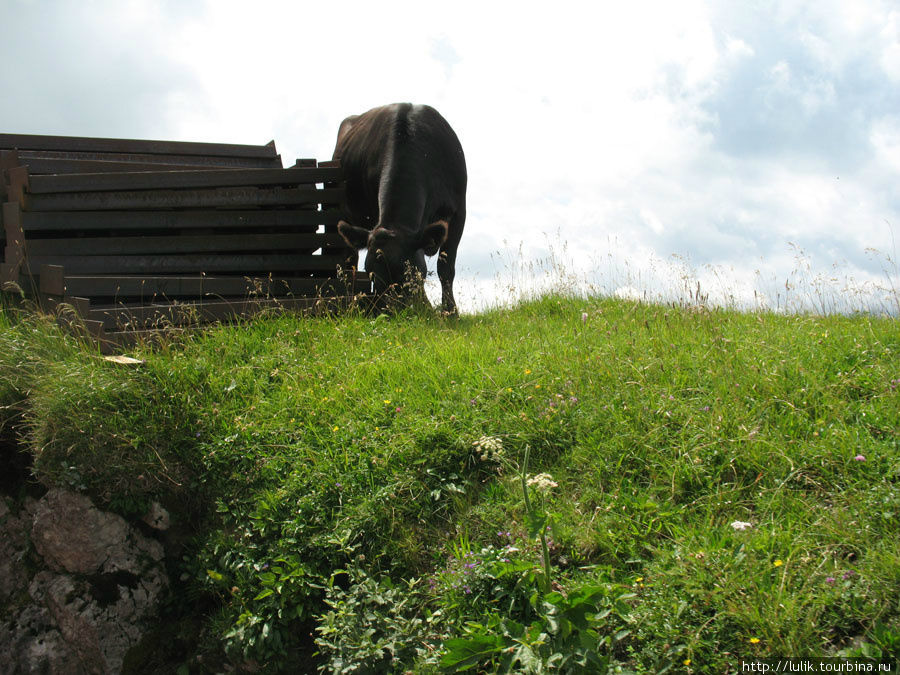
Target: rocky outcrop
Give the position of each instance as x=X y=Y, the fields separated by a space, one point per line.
x=78 y=586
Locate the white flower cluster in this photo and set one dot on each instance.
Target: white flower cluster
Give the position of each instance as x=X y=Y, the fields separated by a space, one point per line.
x=543 y=482
x=490 y=448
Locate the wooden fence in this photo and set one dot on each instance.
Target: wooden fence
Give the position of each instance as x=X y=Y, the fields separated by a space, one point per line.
x=136 y=235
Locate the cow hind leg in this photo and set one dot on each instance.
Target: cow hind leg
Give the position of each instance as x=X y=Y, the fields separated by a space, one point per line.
x=446 y=269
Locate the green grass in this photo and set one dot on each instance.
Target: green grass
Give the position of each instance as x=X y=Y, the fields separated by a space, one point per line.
x=333 y=503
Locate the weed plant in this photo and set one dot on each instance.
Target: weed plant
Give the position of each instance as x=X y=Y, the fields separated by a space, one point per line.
x=354 y=492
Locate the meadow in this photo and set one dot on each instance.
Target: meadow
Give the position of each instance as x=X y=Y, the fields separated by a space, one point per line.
x=572 y=484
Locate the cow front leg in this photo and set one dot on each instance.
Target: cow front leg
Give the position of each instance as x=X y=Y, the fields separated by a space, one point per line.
x=446 y=269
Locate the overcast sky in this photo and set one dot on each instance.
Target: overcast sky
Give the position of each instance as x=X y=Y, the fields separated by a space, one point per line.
x=638 y=147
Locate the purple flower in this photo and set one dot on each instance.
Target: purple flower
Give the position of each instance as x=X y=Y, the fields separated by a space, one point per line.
x=860 y=458
x=830 y=580
x=849 y=574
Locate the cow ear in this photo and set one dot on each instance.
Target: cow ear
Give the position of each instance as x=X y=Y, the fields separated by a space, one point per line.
x=433 y=236
x=356 y=237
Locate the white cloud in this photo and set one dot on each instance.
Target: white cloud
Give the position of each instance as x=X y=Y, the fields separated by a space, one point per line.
x=885 y=138
x=890 y=55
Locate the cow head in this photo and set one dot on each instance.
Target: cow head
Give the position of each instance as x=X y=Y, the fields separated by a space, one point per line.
x=394 y=258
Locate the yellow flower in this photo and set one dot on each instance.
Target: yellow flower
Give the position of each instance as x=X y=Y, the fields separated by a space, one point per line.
x=387 y=401
x=336 y=429
x=527 y=371
x=778 y=563
x=754 y=641
x=687 y=662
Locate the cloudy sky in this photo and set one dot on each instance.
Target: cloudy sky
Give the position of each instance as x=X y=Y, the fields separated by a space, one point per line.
x=641 y=147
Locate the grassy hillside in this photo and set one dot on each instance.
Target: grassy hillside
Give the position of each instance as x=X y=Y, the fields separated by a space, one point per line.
x=569 y=484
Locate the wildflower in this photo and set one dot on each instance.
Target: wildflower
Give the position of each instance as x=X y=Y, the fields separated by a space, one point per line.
x=687 y=662
x=584 y=317
x=741 y=525
x=490 y=447
x=849 y=574
x=543 y=482
x=778 y=563
x=830 y=581
x=528 y=371
x=754 y=641
x=860 y=458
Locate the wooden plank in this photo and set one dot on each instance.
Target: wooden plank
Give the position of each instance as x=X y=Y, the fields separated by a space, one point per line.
x=52 y=280
x=161 y=316
x=163 y=180
x=84 y=221
x=8 y=160
x=16 y=184
x=181 y=199
x=54 y=165
x=9 y=276
x=140 y=245
x=173 y=264
x=134 y=146
x=49 y=161
x=14 y=248
x=196 y=286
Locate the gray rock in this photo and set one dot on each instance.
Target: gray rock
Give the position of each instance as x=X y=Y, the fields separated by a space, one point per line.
x=157 y=517
x=72 y=536
x=97 y=595
x=13 y=546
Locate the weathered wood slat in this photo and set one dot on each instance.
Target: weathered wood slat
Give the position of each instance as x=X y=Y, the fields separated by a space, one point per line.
x=85 y=221
x=181 y=199
x=248 y=264
x=133 y=146
x=57 y=165
x=160 y=180
x=177 y=287
x=191 y=314
x=98 y=246
x=58 y=161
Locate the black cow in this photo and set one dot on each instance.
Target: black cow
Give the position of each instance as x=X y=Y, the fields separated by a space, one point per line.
x=406 y=193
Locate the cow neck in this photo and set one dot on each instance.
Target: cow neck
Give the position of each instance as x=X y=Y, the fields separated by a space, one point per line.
x=401 y=198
